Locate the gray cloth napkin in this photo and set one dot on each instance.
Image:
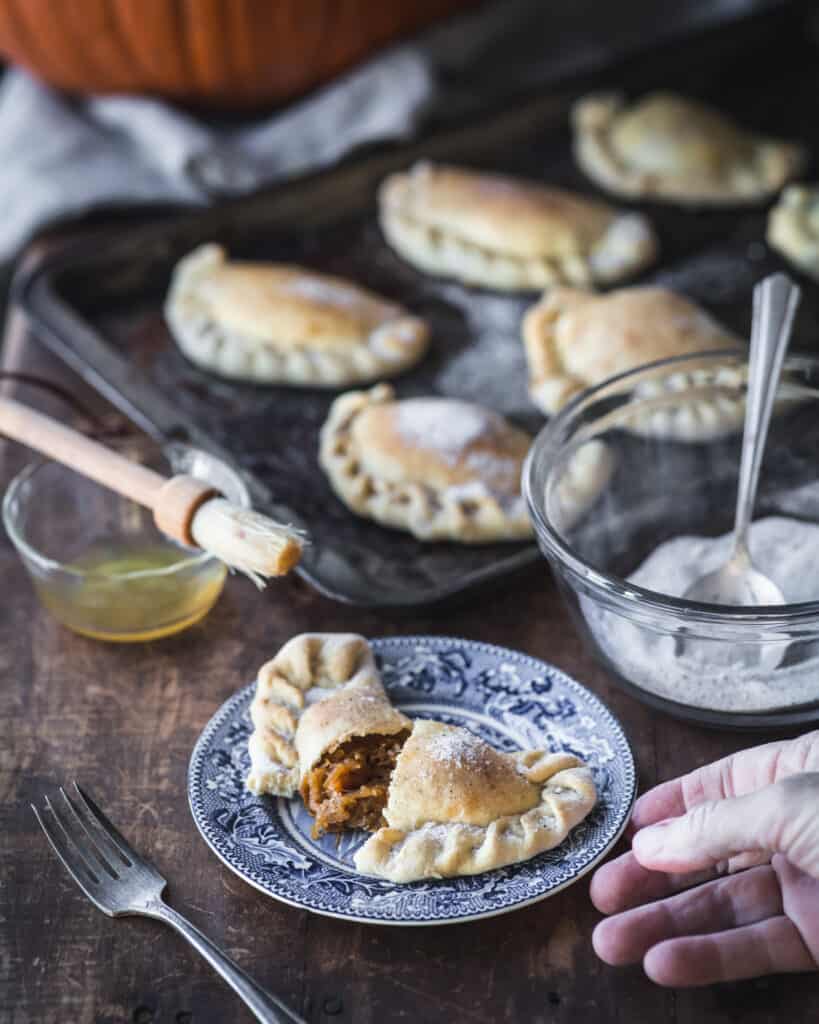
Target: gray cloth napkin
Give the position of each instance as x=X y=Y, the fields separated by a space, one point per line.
x=60 y=156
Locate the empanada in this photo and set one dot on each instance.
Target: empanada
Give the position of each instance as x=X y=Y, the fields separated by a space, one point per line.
x=439 y=468
x=323 y=724
x=457 y=806
x=575 y=339
x=667 y=147
x=701 y=402
x=508 y=234
x=276 y=323
x=579 y=482
x=793 y=227
x=439 y=800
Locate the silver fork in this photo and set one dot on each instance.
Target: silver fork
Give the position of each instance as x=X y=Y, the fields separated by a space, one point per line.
x=121 y=882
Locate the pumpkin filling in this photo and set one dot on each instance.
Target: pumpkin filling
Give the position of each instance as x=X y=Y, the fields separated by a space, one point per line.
x=347 y=788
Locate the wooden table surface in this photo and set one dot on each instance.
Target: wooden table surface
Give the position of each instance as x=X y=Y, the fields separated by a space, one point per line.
x=123 y=720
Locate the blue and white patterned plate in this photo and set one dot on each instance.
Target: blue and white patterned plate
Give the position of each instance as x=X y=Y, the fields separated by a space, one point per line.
x=509 y=699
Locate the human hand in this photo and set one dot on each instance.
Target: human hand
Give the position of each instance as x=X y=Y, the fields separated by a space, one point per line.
x=757 y=810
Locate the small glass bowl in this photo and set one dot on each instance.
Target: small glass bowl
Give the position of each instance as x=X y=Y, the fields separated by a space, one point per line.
x=654 y=454
x=96 y=559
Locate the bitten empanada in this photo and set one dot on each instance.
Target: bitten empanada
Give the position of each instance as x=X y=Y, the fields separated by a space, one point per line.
x=277 y=323
x=323 y=724
x=503 y=233
x=438 y=799
x=666 y=147
x=575 y=339
x=439 y=468
x=457 y=806
x=793 y=227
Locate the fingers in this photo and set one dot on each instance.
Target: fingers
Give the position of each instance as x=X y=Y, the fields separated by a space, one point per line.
x=781 y=818
x=624 y=883
x=749 y=859
x=664 y=801
x=729 y=902
x=724 y=930
x=735 y=775
x=766 y=947
x=800 y=901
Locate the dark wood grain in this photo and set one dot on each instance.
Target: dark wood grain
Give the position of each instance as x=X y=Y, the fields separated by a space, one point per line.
x=123 y=720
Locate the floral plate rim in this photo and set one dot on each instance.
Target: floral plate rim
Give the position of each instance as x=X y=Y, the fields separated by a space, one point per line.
x=238 y=702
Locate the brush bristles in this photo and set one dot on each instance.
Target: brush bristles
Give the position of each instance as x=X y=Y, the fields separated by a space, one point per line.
x=246 y=540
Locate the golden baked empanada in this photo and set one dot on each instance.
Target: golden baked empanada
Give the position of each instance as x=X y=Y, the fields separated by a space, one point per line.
x=508 y=234
x=575 y=339
x=457 y=806
x=439 y=468
x=276 y=323
x=323 y=724
x=667 y=147
x=793 y=227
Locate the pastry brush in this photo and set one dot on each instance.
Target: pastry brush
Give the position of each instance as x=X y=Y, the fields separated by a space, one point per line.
x=185 y=509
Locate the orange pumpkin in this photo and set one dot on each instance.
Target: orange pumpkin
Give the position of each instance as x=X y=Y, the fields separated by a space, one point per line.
x=223 y=53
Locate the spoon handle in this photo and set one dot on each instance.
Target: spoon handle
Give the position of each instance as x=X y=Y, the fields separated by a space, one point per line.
x=775 y=301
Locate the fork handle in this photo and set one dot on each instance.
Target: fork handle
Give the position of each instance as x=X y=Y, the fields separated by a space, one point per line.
x=264 y=1006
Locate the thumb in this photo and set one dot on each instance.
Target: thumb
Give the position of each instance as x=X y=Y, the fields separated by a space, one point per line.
x=780 y=818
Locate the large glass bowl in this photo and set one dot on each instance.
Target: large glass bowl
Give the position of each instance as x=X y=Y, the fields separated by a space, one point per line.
x=97 y=561
x=654 y=454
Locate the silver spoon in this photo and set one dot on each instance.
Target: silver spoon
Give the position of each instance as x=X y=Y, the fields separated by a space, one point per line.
x=738 y=581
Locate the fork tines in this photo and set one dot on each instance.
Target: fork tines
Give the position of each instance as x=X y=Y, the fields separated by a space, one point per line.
x=89 y=846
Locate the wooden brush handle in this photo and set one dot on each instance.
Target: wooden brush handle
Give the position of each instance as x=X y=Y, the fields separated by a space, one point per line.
x=173 y=501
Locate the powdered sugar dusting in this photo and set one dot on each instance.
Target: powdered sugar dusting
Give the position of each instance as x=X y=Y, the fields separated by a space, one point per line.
x=491 y=369
x=446 y=426
x=458 y=748
x=358 y=697
x=434 y=831
x=348 y=694
x=786 y=550
x=338 y=295
x=449 y=427
x=500 y=473
x=440 y=832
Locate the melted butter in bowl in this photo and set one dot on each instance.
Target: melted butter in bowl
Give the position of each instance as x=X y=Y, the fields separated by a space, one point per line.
x=98 y=563
x=130 y=590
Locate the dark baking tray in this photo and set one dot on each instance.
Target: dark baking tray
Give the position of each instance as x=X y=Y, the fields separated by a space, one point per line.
x=98 y=303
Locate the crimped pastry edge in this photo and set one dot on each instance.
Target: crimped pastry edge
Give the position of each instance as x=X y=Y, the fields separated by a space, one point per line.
x=306 y=661
x=445 y=850
x=627 y=246
x=427 y=512
x=592 y=117
x=389 y=349
x=701 y=419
